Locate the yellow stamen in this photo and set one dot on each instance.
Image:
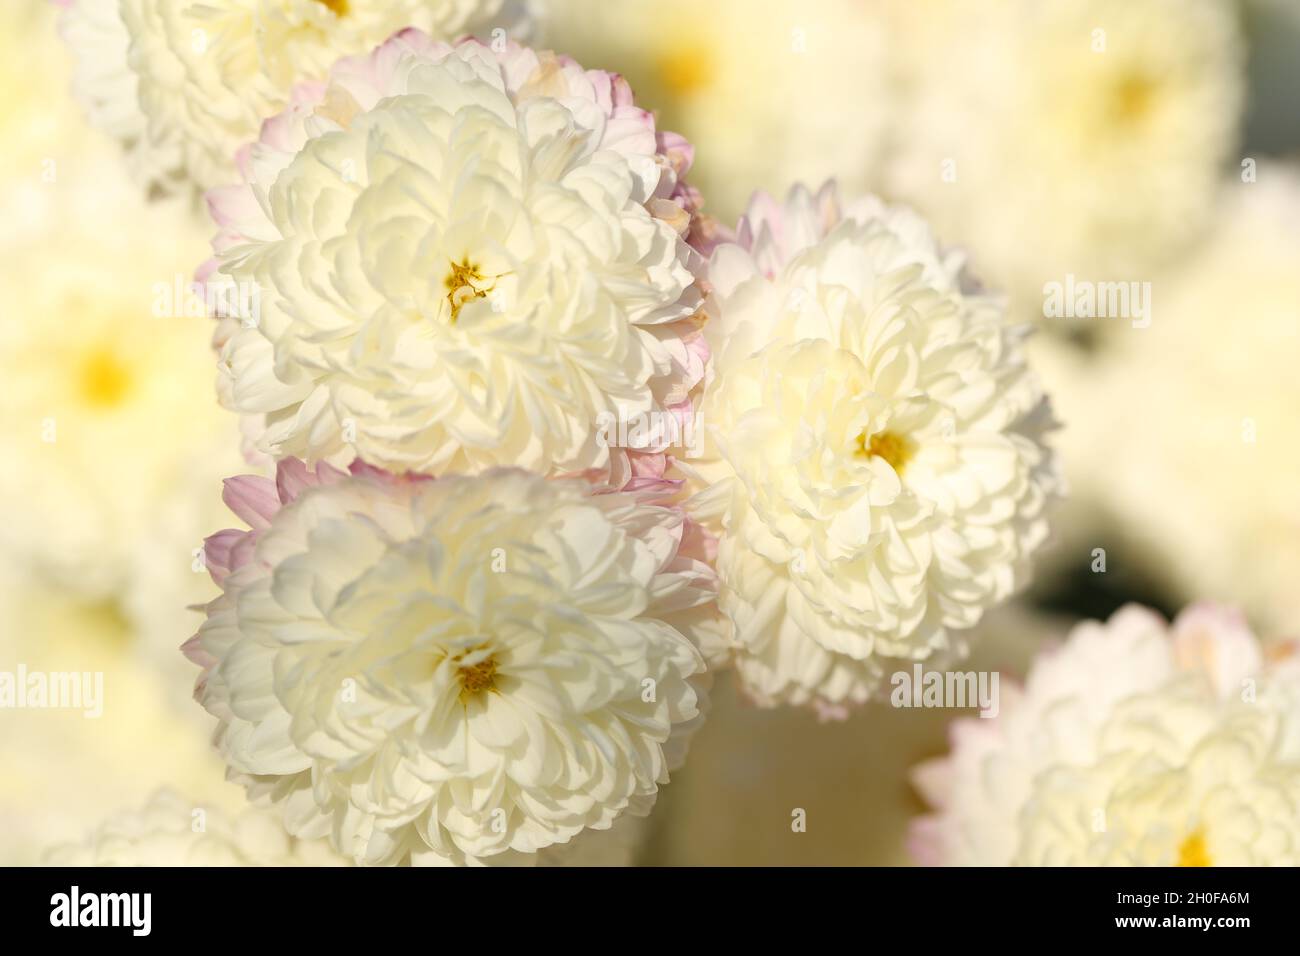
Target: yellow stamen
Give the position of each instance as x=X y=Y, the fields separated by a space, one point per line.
x=477 y=678
x=460 y=285
x=892 y=447
x=1193 y=852
x=338 y=7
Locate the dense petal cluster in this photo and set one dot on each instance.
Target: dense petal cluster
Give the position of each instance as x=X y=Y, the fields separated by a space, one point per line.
x=1134 y=743
x=461 y=258
x=876 y=467
x=183 y=84
x=448 y=670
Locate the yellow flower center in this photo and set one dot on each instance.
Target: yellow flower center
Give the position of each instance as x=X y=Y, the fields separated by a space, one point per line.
x=338 y=7
x=105 y=380
x=1133 y=97
x=460 y=285
x=892 y=447
x=685 y=70
x=477 y=678
x=1193 y=852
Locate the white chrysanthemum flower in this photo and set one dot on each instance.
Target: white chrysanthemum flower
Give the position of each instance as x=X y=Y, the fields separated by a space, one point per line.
x=172 y=831
x=465 y=258
x=1202 y=472
x=770 y=92
x=1133 y=744
x=101 y=348
x=455 y=669
x=879 y=475
x=183 y=84
x=1081 y=138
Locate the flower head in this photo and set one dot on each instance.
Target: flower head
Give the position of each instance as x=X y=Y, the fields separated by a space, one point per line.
x=1134 y=743
x=465 y=258
x=101 y=343
x=182 y=84
x=447 y=670
x=877 y=473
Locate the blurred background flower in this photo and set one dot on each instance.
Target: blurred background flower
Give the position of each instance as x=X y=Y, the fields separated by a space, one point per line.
x=108 y=373
x=770 y=91
x=1152 y=141
x=1135 y=742
x=183 y=85
x=1082 y=137
x=170 y=830
x=113 y=447
x=65 y=770
x=1190 y=425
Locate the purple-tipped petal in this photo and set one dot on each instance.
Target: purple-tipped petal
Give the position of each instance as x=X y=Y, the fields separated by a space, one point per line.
x=217 y=549
x=252 y=498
